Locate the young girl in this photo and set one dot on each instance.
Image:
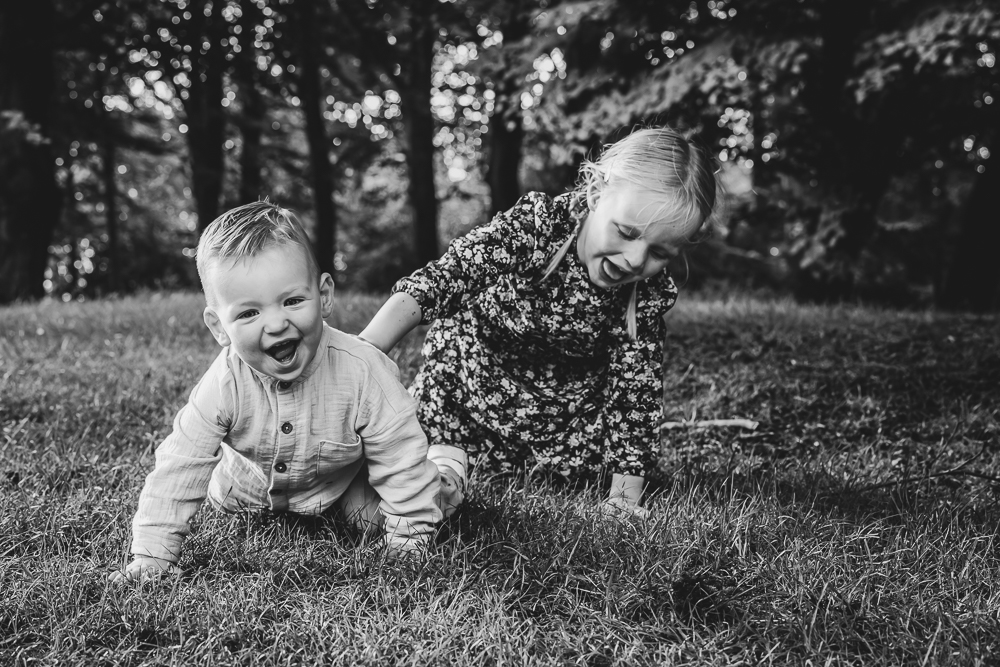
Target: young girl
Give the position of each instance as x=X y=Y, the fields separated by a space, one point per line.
x=547 y=338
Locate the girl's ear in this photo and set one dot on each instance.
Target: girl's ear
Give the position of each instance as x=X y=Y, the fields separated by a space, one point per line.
x=326 y=295
x=214 y=325
x=593 y=195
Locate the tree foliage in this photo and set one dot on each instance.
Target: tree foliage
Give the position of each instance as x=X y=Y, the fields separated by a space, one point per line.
x=858 y=135
x=847 y=112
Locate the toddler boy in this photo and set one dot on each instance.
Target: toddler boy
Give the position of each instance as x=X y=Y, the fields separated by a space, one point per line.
x=293 y=415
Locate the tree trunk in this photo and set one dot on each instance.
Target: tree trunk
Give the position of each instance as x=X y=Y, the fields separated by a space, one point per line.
x=973 y=276
x=205 y=119
x=854 y=161
x=506 y=129
x=111 y=213
x=30 y=204
x=506 y=137
x=310 y=92
x=251 y=129
x=857 y=156
x=72 y=214
x=416 y=99
x=251 y=121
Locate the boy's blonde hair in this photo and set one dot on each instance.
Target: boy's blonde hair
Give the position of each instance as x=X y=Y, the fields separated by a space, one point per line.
x=659 y=160
x=247 y=230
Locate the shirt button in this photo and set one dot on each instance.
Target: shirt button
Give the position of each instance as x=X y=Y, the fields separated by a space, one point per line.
x=286 y=428
x=280 y=466
x=284 y=385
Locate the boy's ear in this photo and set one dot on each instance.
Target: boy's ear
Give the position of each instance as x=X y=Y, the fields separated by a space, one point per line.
x=326 y=295
x=214 y=325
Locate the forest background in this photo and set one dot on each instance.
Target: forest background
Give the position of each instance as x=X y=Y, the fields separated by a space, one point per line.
x=853 y=136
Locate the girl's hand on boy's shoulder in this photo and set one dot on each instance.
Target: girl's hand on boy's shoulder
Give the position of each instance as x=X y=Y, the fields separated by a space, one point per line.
x=143 y=569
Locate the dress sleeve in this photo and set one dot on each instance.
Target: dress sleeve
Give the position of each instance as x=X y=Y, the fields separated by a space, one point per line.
x=510 y=243
x=634 y=407
x=178 y=484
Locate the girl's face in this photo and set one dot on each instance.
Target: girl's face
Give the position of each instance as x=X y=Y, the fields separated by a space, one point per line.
x=622 y=242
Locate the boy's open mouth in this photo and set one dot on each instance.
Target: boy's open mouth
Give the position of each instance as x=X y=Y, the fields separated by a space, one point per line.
x=283 y=352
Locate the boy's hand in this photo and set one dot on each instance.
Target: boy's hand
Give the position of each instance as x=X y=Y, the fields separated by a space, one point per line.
x=144 y=568
x=412 y=549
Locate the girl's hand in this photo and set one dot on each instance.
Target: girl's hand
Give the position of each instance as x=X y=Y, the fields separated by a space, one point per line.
x=627 y=487
x=626 y=491
x=143 y=569
x=620 y=507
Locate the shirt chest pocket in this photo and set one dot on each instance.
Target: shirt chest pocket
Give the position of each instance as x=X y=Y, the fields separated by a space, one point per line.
x=332 y=456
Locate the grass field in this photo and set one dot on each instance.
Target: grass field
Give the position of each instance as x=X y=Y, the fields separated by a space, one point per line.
x=857 y=525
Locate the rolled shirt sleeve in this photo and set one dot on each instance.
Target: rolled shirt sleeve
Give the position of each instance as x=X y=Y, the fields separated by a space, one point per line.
x=178 y=483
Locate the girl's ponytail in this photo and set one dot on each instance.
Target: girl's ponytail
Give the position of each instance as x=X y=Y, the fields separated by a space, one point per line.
x=631 y=313
x=558 y=257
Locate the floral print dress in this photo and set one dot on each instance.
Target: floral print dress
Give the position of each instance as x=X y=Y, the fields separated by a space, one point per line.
x=526 y=371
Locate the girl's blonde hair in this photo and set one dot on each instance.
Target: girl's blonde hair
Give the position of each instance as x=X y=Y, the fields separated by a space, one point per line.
x=658 y=160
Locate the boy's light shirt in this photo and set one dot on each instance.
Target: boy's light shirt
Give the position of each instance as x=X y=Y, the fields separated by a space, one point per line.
x=248 y=441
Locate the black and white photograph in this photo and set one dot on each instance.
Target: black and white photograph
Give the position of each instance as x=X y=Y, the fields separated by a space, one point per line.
x=507 y=332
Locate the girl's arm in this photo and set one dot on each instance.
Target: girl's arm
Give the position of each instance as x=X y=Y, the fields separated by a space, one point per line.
x=396 y=318
x=513 y=242
x=633 y=402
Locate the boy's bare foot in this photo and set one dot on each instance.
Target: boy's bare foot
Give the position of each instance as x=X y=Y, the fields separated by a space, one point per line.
x=452 y=491
x=452 y=463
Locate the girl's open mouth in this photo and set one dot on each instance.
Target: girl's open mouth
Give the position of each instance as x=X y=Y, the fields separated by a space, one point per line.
x=611 y=272
x=284 y=352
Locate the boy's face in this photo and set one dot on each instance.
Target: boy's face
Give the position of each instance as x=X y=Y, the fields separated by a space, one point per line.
x=270 y=308
x=621 y=242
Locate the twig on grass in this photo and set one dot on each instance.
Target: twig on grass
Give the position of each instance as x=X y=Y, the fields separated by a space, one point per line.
x=956 y=470
x=707 y=423
x=686 y=373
